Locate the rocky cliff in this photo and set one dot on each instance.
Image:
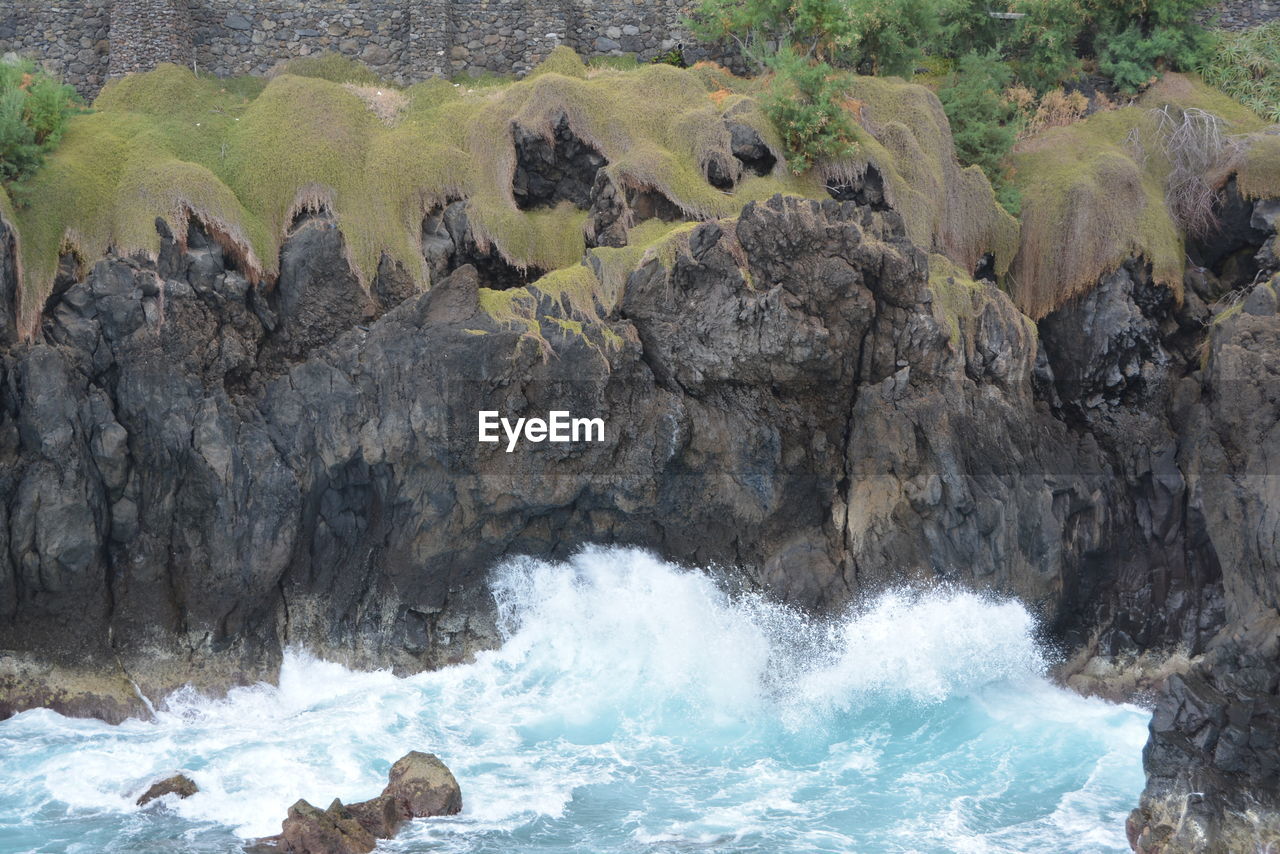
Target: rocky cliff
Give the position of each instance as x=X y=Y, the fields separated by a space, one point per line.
x=196 y=471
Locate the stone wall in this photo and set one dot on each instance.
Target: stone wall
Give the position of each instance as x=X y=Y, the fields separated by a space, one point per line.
x=70 y=38
x=85 y=41
x=1243 y=14
x=145 y=33
x=403 y=40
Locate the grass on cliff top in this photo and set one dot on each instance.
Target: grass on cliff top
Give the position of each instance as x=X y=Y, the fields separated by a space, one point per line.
x=171 y=144
x=903 y=132
x=247 y=156
x=1094 y=193
x=586 y=293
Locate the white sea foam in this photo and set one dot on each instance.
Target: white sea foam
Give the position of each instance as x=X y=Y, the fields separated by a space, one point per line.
x=633 y=703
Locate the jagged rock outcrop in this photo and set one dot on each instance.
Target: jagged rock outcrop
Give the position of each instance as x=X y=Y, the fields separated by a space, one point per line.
x=198 y=472
x=195 y=472
x=311 y=830
x=1213 y=758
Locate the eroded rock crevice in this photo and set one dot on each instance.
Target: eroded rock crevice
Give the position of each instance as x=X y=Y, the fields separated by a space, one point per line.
x=553 y=168
x=617 y=208
x=866 y=189
x=449 y=242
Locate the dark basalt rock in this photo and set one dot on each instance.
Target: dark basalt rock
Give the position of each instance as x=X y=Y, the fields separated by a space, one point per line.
x=549 y=170
x=614 y=210
x=750 y=149
x=1213 y=757
x=179 y=784
x=1106 y=347
x=866 y=189
x=1212 y=760
x=449 y=243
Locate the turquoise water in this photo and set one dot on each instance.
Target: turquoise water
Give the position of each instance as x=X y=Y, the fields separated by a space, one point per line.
x=635 y=707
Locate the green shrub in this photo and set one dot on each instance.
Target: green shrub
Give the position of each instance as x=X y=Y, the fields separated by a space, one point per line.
x=674 y=56
x=894 y=34
x=982 y=121
x=1133 y=40
x=34 y=108
x=1246 y=65
x=1134 y=58
x=1045 y=43
x=967 y=25
x=822 y=29
x=874 y=36
x=804 y=102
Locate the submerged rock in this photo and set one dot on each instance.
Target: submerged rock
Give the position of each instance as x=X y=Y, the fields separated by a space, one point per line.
x=179 y=784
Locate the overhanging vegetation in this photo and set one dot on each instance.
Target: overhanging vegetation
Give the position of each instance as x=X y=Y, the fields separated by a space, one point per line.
x=247 y=156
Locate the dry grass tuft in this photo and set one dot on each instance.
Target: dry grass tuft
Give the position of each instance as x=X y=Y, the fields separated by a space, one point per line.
x=1131 y=181
x=384 y=102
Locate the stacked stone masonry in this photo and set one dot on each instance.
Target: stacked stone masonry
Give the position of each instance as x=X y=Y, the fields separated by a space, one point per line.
x=403 y=40
x=1243 y=14
x=88 y=41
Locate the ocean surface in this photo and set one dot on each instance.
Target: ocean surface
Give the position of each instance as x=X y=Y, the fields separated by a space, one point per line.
x=634 y=707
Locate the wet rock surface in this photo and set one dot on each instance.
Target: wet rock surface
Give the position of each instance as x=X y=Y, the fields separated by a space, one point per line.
x=419 y=786
x=179 y=784
x=311 y=830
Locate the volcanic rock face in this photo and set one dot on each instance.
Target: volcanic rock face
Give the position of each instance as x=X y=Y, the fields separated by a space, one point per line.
x=196 y=471
x=1213 y=758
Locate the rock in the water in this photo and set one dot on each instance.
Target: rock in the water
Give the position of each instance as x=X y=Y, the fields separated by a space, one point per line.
x=381 y=816
x=179 y=784
x=419 y=786
x=425 y=785
x=311 y=830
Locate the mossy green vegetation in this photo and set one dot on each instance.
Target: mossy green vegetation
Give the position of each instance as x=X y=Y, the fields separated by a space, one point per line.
x=246 y=157
x=587 y=292
x=1259 y=168
x=171 y=144
x=955 y=293
x=651 y=237
x=903 y=132
x=1094 y=193
x=330 y=66
x=958 y=301
x=1091 y=197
